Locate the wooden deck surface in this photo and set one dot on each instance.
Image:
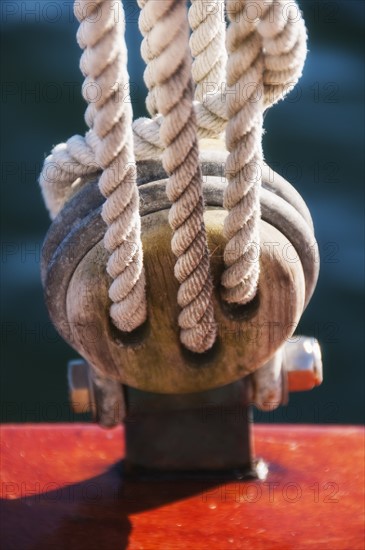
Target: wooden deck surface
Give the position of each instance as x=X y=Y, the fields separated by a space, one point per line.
x=62 y=487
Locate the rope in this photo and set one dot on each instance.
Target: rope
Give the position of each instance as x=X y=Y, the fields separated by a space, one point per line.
x=74 y=161
x=245 y=106
x=211 y=121
x=266 y=57
x=168 y=73
x=69 y=164
x=284 y=39
x=103 y=63
x=266 y=49
x=284 y=42
x=207 y=45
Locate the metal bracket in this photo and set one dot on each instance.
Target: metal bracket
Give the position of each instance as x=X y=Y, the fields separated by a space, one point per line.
x=204 y=433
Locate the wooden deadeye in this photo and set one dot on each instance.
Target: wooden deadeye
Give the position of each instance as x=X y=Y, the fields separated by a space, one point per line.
x=225 y=245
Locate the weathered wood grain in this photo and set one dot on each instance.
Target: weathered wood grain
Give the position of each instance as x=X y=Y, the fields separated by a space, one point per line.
x=60 y=261
x=89 y=198
x=153 y=359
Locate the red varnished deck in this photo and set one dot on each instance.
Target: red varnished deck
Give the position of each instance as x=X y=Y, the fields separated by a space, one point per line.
x=62 y=488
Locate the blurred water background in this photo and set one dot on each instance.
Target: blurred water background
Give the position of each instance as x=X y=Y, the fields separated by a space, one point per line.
x=315 y=139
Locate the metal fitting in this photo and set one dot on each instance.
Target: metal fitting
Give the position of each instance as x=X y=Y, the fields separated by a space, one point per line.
x=302 y=363
x=296 y=366
x=79 y=386
x=90 y=392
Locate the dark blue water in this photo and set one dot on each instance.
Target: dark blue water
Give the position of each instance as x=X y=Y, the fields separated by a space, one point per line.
x=315 y=139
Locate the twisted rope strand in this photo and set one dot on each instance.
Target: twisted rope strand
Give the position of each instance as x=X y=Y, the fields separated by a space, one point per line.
x=207 y=45
x=63 y=166
x=285 y=48
x=245 y=106
x=168 y=73
x=265 y=52
x=211 y=122
x=103 y=63
x=68 y=164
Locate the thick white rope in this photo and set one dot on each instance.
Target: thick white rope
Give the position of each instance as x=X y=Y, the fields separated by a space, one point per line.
x=266 y=49
x=103 y=63
x=69 y=164
x=281 y=33
x=165 y=50
x=284 y=42
x=207 y=45
x=284 y=39
x=245 y=106
x=211 y=121
x=74 y=162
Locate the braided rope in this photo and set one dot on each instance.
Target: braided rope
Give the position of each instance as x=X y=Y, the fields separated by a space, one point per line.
x=103 y=63
x=168 y=73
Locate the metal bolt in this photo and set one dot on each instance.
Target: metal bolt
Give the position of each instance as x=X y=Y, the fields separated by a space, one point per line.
x=296 y=366
x=302 y=362
x=92 y=392
x=79 y=385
